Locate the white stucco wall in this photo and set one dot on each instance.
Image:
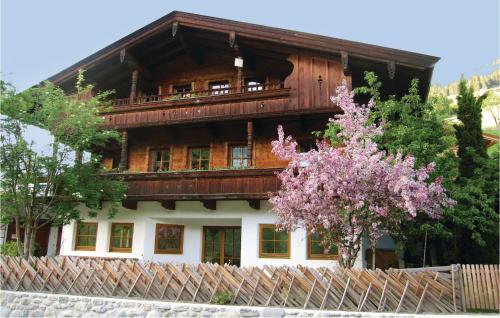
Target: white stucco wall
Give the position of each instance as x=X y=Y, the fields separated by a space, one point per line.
x=193 y=216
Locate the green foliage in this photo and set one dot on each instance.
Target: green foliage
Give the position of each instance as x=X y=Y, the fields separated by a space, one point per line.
x=476 y=82
x=9 y=249
x=37 y=188
x=222 y=298
x=469 y=132
x=417 y=128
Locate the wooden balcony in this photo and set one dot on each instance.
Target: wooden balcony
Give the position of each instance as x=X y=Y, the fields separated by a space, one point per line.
x=196 y=106
x=207 y=186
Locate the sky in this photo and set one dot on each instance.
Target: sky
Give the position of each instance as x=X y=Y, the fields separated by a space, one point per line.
x=40 y=38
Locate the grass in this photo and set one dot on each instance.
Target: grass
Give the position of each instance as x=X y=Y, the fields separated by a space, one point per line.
x=490 y=131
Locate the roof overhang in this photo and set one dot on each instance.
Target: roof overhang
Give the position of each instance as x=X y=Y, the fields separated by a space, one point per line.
x=285 y=38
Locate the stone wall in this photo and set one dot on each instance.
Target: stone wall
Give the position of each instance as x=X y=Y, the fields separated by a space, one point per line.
x=22 y=304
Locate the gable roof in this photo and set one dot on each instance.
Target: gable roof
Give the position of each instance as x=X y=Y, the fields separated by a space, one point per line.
x=288 y=38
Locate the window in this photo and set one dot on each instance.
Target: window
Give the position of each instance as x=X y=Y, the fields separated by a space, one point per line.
x=273 y=243
x=86 y=234
x=160 y=160
x=254 y=84
x=169 y=239
x=316 y=250
x=239 y=156
x=219 y=88
x=121 y=237
x=183 y=90
x=199 y=158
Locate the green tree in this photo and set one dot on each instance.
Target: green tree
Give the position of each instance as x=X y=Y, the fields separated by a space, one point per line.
x=469 y=132
x=36 y=188
x=416 y=127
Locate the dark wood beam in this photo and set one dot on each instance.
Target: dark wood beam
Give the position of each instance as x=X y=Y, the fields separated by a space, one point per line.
x=168 y=204
x=254 y=204
x=130 y=204
x=210 y=204
x=127 y=58
x=250 y=142
x=196 y=54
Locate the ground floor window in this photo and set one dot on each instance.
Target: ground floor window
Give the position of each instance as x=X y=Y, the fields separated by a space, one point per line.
x=86 y=234
x=121 y=237
x=317 y=250
x=169 y=239
x=222 y=244
x=273 y=243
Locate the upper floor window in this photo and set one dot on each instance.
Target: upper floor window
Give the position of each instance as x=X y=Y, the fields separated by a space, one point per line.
x=86 y=234
x=239 y=156
x=254 y=84
x=160 y=160
x=199 y=158
x=183 y=90
x=219 y=87
x=316 y=248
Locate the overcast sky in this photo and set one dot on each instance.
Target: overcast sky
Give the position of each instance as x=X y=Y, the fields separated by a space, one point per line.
x=40 y=38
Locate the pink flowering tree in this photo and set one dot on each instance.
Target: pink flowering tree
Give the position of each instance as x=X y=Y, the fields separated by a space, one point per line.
x=346 y=191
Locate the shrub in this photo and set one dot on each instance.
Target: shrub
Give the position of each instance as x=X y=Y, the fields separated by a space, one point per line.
x=222 y=298
x=9 y=249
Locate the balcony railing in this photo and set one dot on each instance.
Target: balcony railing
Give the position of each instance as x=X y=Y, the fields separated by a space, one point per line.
x=243 y=184
x=193 y=95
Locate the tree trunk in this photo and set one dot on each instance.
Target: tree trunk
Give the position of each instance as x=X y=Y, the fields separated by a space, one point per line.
x=32 y=241
x=18 y=236
x=27 y=240
x=434 y=254
x=78 y=156
x=373 y=257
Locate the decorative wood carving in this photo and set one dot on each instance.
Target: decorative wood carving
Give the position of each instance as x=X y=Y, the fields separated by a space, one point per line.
x=130 y=204
x=344 y=58
x=175 y=27
x=168 y=204
x=124 y=151
x=210 y=204
x=250 y=142
x=232 y=38
x=391 y=69
x=254 y=204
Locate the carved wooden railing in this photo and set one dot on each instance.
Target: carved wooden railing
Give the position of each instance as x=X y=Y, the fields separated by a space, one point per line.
x=244 y=184
x=193 y=95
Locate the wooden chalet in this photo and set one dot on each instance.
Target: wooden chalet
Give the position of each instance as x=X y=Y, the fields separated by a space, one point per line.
x=198 y=100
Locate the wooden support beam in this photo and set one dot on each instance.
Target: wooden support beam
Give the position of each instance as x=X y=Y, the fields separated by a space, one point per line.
x=133 y=86
x=168 y=204
x=250 y=142
x=210 y=204
x=254 y=204
x=129 y=204
x=232 y=38
x=124 y=151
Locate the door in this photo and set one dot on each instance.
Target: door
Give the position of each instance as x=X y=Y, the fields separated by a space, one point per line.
x=221 y=244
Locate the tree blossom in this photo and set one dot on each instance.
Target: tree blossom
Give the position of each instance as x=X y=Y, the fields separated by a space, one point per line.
x=354 y=189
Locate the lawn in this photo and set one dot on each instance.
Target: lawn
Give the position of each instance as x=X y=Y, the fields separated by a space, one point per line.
x=496 y=147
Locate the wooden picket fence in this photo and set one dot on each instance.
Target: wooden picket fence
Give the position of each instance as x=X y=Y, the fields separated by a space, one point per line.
x=434 y=290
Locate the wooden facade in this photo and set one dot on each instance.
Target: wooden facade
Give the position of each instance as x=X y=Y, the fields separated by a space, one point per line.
x=179 y=86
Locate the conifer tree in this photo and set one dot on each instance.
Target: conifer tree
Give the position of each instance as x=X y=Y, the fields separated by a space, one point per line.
x=471 y=145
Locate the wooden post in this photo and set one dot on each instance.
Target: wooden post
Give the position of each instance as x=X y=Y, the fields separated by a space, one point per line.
x=239 y=83
x=124 y=152
x=250 y=142
x=133 y=85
